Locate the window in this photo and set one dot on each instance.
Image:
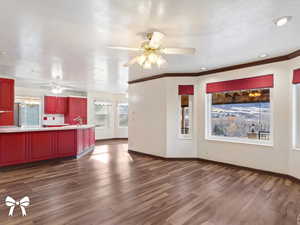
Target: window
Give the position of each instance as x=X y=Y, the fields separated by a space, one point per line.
x=27 y=111
x=185 y=115
x=296 y=110
x=123 y=114
x=102 y=114
x=185 y=93
x=240 y=115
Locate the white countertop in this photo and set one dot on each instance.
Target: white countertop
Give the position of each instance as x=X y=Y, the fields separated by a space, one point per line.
x=32 y=129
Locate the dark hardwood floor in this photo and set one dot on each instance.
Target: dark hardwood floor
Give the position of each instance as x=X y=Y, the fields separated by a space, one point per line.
x=111 y=186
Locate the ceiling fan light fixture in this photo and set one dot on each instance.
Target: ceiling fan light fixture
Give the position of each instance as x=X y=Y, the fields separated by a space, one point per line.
x=141 y=59
x=153 y=51
x=147 y=65
x=153 y=57
x=160 y=61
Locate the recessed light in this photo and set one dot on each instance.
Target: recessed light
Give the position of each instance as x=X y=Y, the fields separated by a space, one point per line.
x=282 y=21
x=203 y=68
x=264 y=55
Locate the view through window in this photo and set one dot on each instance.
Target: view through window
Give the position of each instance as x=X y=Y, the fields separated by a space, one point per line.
x=123 y=114
x=185 y=115
x=241 y=114
x=102 y=114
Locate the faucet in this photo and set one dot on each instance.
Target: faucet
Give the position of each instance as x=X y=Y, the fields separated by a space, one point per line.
x=78 y=119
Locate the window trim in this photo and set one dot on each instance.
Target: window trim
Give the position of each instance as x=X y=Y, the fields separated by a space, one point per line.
x=191 y=114
x=110 y=114
x=209 y=137
x=118 y=114
x=294 y=117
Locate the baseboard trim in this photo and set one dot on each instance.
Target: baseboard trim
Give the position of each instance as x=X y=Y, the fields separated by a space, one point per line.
x=112 y=139
x=282 y=175
x=160 y=157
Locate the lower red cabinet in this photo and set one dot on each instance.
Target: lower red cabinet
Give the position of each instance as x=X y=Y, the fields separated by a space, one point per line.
x=42 y=145
x=17 y=148
x=66 y=143
x=86 y=138
x=13 y=149
x=80 y=140
x=6 y=118
x=92 y=136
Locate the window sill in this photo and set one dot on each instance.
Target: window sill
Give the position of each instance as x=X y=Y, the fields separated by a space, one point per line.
x=240 y=141
x=185 y=137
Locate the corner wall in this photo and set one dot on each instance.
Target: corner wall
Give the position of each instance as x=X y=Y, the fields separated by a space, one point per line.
x=147 y=117
x=154 y=131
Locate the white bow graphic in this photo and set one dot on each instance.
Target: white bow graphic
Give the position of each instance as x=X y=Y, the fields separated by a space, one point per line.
x=10 y=202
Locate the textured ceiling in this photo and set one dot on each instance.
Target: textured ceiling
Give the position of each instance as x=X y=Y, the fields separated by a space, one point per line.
x=69 y=38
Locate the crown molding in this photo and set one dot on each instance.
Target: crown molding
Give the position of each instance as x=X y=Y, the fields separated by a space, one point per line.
x=222 y=69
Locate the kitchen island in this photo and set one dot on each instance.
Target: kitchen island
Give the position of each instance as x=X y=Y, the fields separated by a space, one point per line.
x=24 y=145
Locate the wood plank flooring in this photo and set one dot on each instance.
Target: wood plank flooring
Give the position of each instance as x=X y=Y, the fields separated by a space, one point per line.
x=112 y=187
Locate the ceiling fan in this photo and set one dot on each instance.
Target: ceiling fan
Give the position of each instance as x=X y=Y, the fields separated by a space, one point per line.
x=152 y=51
x=54 y=86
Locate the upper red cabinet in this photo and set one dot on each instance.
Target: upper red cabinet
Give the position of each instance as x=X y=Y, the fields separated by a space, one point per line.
x=77 y=106
x=7 y=98
x=62 y=105
x=7 y=94
x=55 y=105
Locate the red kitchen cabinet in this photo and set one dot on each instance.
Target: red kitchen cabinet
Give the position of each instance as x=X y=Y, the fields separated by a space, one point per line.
x=83 y=106
x=7 y=94
x=7 y=98
x=50 y=104
x=62 y=106
x=24 y=147
x=7 y=118
x=80 y=141
x=12 y=148
x=55 y=105
x=86 y=138
x=43 y=145
x=92 y=137
x=66 y=143
x=76 y=107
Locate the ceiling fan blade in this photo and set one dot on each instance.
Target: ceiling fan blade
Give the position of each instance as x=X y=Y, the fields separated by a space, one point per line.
x=179 y=51
x=124 y=48
x=156 y=39
x=132 y=61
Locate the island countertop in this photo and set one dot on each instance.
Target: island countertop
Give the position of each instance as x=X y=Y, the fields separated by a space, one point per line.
x=33 y=129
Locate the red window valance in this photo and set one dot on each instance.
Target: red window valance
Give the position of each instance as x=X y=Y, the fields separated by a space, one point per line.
x=265 y=81
x=296 y=77
x=185 y=89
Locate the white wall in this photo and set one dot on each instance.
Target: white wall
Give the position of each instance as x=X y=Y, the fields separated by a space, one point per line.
x=176 y=146
x=147 y=117
x=155 y=131
x=273 y=158
x=294 y=155
x=114 y=131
